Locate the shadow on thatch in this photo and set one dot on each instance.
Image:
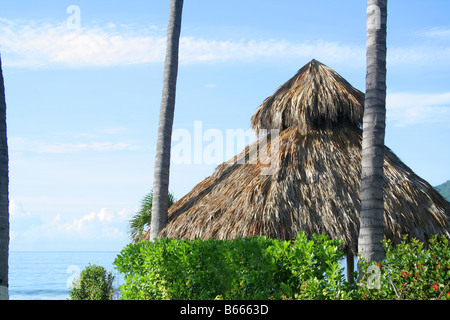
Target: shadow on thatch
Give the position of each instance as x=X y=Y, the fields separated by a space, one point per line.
x=316 y=184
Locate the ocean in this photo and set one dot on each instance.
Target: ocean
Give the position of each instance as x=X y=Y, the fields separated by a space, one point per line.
x=39 y=275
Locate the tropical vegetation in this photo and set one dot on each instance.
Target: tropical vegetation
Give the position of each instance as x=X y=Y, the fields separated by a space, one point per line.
x=263 y=268
x=243 y=268
x=412 y=270
x=94 y=283
x=140 y=222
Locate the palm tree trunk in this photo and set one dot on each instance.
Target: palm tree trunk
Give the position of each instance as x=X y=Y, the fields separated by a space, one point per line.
x=371 y=231
x=4 y=202
x=350 y=268
x=162 y=159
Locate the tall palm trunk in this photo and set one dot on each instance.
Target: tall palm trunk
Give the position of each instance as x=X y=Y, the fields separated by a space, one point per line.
x=4 y=202
x=371 y=231
x=162 y=159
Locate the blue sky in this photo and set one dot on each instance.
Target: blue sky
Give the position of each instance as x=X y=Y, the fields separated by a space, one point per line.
x=83 y=96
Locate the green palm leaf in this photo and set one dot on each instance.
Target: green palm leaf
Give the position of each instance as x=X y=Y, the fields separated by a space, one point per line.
x=140 y=222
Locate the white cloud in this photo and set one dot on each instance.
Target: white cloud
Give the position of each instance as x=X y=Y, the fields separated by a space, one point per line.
x=79 y=226
x=105 y=215
x=62 y=231
x=412 y=108
x=16 y=209
x=419 y=55
x=37 y=44
x=88 y=231
x=91 y=223
x=25 y=144
x=32 y=44
x=102 y=220
x=194 y=50
x=41 y=44
x=441 y=33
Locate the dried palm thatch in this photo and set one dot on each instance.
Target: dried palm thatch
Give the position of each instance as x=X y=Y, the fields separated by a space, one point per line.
x=315 y=97
x=315 y=186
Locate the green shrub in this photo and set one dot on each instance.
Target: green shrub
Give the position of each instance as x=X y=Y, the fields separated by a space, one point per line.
x=310 y=268
x=94 y=283
x=411 y=270
x=249 y=268
x=263 y=268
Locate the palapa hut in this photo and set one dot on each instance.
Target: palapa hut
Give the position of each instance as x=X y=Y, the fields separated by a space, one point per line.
x=315 y=183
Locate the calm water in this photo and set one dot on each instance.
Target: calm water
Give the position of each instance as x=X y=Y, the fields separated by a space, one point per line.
x=46 y=275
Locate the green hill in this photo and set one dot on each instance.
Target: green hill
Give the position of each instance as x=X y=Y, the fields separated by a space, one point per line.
x=444 y=189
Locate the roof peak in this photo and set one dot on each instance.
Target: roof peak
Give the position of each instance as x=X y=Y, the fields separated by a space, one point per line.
x=316 y=96
x=315 y=61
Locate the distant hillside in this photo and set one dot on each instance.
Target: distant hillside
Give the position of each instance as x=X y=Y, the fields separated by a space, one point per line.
x=444 y=189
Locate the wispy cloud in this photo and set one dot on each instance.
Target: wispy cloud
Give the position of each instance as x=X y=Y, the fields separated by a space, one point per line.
x=419 y=56
x=194 y=49
x=441 y=33
x=32 y=44
x=97 y=226
x=405 y=109
x=431 y=48
x=41 y=44
x=25 y=144
x=38 y=44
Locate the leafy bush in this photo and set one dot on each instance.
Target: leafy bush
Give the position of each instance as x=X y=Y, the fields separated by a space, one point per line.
x=411 y=270
x=249 y=268
x=94 y=283
x=310 y=268
x=263 y=268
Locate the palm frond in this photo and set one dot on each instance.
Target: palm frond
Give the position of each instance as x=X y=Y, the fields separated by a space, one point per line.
x=139 y=224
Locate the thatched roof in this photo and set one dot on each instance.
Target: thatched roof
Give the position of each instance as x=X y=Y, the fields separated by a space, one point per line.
x=316 y=184
x=315 y=97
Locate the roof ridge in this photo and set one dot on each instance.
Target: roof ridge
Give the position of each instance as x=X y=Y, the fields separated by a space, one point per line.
x=316 y=96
